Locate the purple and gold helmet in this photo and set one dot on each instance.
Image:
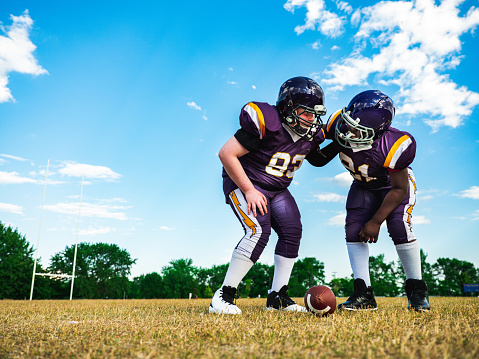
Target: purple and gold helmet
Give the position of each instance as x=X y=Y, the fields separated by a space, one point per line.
x=365 y=119
x=305 y=94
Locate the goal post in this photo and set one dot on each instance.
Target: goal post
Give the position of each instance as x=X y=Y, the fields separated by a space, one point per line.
x=56 y=275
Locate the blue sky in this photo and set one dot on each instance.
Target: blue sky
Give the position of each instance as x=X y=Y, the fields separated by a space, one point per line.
x=138 y=97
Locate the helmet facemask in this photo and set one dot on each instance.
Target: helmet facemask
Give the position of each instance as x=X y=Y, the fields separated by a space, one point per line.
x=300 y=126
x=350 y=134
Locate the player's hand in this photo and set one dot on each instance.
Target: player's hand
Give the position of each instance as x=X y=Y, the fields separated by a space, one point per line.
x=370 y=232
x=256 y=201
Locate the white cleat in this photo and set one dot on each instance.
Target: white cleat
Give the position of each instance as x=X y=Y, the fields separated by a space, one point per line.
x=296 y=308
x=223 y=301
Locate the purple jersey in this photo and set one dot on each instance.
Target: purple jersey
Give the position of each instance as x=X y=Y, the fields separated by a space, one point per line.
x=280 y=152
x=394 y=151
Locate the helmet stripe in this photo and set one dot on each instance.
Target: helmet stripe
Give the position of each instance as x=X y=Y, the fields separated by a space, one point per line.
x=396 y=151
x=257 y=116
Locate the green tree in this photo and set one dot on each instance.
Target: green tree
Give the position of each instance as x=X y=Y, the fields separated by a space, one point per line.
x=261 y=277
x=384 y=277
x=101 y=270
x=216 y=275
x=428 y=274
x=16 y=267
x=150 y=285
x=306 y=273
x=342 y=287
x=202 y=277
x=179 y=280
x=452 y=274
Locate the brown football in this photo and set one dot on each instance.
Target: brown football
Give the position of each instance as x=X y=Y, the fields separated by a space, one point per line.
x=320 y=300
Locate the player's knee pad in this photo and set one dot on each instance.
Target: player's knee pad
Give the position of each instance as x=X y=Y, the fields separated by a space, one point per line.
x=352 y=232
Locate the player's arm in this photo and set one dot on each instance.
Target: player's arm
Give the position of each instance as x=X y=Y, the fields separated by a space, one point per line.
x=399 y=182
x=229 y=155
x=320 y=157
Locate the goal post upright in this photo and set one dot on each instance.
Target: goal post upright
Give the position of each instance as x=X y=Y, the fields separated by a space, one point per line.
x=76 y=242
x=39 y=230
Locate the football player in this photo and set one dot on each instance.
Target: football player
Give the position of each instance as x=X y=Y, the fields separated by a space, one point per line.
x=378 y=157
x=259 y=162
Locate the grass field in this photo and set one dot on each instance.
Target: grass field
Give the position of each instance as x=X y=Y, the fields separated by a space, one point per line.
x=185 y=329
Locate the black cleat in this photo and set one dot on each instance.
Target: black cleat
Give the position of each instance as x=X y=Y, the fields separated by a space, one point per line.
x=416 y=291
x=362 y=298
x=281 y=300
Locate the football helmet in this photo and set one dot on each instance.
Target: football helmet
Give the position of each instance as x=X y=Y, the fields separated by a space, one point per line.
x=296 y=96
x=365 y=119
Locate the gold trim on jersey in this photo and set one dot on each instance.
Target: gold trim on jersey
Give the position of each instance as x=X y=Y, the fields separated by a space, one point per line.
x=392 y=151
x=259 y=118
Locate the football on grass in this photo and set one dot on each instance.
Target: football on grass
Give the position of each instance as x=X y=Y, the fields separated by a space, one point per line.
x=320 y=300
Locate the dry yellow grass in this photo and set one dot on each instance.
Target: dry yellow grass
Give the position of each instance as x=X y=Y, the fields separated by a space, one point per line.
x=185 y=329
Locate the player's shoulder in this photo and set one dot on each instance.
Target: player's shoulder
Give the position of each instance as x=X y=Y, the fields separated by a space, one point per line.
x=398 y=148
x=394 y=138
x=393 y=134
x=257 y=117
x=330 y=126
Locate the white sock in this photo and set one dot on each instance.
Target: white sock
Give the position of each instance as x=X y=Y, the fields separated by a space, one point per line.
x=359 y=259
x=410 y=256
x=237 y=269
x=282 y=271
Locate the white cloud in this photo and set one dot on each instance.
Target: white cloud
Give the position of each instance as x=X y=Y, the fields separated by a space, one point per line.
x=475 y=216
x=426 y=197
x=11 y=208
x=165 y=228
x=472 y=192
x=338 y=221
x=16 y=158
x=420 y=220
x=16 y=53
x=329 y=197
x=413 y=45
x=194 y=106
x=344 y=179
x=316 y=45
x=89 y=171
x=232 y=83
x=94 y=231
x=344 y=6
x=253 y=87
x=326 y=22
x=90 y=210
x=14 y=178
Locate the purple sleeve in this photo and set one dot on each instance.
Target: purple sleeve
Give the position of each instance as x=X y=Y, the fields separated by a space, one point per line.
x=252 y=120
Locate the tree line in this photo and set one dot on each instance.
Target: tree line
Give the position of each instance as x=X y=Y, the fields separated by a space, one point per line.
x=103 y=270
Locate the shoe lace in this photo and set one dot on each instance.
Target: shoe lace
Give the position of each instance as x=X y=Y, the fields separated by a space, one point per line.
x=229 y=295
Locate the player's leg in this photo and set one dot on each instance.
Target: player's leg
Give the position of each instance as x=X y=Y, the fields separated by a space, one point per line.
x=360 y=206
x=407 y=247
x=247 y=252
x=286 y=221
